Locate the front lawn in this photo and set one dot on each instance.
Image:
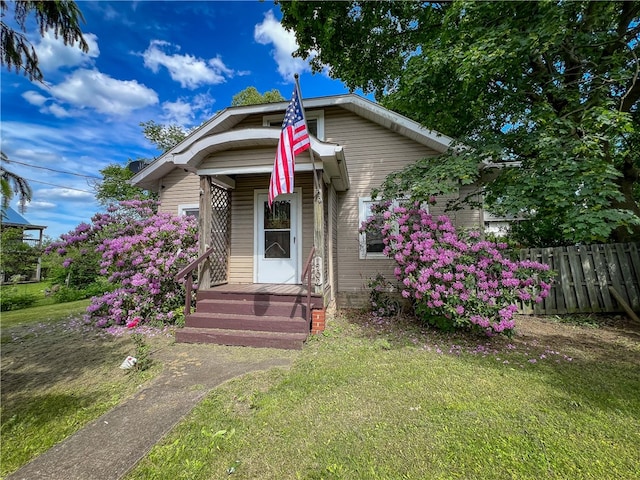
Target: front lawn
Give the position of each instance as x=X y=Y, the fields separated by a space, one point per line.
x=57 y=375
x=388 y=400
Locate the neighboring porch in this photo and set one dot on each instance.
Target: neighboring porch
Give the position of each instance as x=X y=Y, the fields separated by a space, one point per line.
x=254 y=315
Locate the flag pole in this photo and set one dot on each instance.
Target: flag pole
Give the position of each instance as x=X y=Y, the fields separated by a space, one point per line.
x=317 y=269
x=316 y=187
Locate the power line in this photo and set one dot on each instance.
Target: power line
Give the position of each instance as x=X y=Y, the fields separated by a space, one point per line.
x=59 y=186
x=53 y=170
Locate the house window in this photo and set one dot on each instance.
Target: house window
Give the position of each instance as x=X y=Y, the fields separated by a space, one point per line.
x=315 y=122
x=190 y=209
x=371 y=245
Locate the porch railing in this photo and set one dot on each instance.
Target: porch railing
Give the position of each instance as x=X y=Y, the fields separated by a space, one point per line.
x=186 y=274
x=306 y=275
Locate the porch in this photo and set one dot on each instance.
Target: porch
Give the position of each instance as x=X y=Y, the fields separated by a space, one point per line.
x=252 y=315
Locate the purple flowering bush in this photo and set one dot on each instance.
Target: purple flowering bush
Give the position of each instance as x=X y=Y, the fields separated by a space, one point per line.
x=455 y=281
x=140 y=253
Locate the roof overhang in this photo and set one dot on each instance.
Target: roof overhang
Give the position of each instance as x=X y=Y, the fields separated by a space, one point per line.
x=328 y=157
x=220 y=133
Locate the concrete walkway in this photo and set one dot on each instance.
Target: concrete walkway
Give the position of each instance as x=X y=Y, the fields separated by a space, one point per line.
x=109 y=447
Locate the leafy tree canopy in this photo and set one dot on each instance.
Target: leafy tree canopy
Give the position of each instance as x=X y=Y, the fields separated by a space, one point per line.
x=550 y=87
x=251 y=96
x=62 y=17
x=115 y=186
x=164 y=137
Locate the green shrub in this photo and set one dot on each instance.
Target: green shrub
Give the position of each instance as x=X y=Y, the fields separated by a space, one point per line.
x=68 y=294
x=11 y=299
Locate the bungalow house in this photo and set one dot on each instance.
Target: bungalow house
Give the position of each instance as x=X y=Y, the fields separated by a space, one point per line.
x=260 y=263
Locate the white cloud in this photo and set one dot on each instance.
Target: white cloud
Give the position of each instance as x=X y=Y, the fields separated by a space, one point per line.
x=189 y=71
x=92 y=89
x=178 y=112
x=57 y=111
x=284 y=42
x=34 y=98
x=187 y=112
x=42 y=205
x=53 y=53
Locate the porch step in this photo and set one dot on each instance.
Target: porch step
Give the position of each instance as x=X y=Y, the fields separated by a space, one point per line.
x=270 y=297
x=250 y=315
x=246 y=321
x=244 y=338
x=260 y=308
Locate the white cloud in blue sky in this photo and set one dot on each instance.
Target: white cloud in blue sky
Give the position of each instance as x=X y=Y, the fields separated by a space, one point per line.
x=189 y=71
x=271 y=31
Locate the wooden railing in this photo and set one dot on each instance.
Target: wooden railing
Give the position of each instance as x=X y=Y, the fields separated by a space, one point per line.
x=186 y=274
x=306 y=275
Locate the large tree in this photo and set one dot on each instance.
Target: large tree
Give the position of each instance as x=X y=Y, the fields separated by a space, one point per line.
x=115 y=187
x=251 y=96
x=547 y=91
x=16 y=51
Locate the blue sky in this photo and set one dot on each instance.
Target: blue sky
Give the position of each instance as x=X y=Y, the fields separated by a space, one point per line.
x=171 y=62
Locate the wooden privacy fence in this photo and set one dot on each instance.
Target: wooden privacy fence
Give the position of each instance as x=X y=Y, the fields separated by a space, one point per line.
x=589 y=278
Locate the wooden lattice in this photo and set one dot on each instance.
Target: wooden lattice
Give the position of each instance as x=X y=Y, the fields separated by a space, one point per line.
x=220 y=233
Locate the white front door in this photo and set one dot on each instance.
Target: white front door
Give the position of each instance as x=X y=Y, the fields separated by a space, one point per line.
x=278 y=236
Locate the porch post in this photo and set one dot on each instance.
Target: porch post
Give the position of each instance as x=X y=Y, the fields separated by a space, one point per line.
x=204 y=231
x=318 y=232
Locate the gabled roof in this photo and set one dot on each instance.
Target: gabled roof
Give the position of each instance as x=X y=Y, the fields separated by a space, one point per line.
x=11 y=218
x=217 y=134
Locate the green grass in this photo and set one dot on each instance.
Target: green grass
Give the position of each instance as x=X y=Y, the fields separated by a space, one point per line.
x=381 y=401
x=54 y=312
x=36 y=289
x=57 y=375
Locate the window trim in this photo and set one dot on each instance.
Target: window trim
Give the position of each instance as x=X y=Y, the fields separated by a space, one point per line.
x=276 y=120
x=185 y=207
x=363 y=214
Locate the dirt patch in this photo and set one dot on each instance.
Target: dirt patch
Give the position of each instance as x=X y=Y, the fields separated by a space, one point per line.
x=592 y=337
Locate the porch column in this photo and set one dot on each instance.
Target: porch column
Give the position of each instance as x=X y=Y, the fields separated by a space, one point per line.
x=204 y=231
x=318 y=233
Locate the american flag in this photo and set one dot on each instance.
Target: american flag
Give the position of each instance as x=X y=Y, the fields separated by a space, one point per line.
x=294 y=139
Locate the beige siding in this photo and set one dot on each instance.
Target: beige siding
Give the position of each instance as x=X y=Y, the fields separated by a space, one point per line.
x=179 y=188
x=243 y=222
x=371 y=152
x=252 y=157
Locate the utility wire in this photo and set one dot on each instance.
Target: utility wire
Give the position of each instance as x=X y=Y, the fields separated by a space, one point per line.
x=53 y=170
x=59 y=186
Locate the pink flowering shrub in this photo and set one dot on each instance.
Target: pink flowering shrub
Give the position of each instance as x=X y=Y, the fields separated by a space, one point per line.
x=140 y=253
x=454 y=281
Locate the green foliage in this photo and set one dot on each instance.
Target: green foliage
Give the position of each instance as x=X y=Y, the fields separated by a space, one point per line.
x=62 y=17
x=12 y=184
x=12 y=299
x=115 y=186
x=164 y=137
x=251 y=96
x=142 y=351
x=384 y=297
x=71 y=294
x=16 y=256
x=548 y=88
x=80 y=267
